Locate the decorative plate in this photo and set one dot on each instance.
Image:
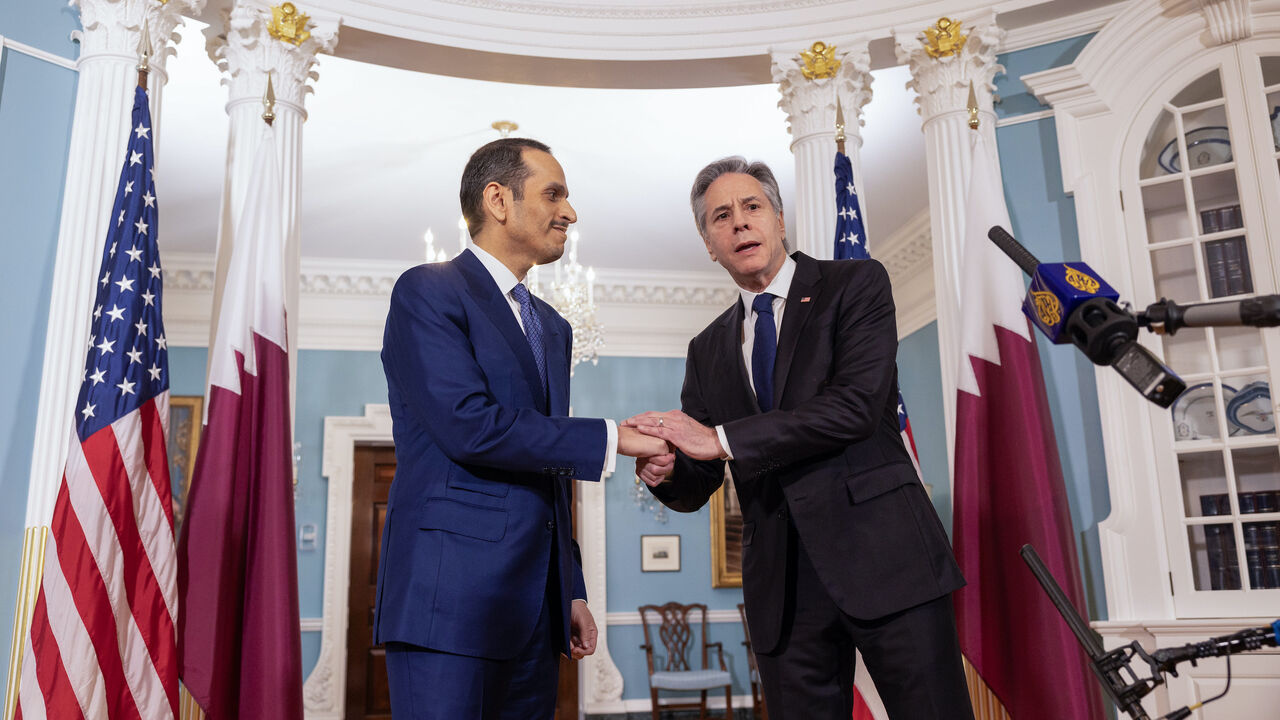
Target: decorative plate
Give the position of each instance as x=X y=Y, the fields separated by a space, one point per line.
x=1251 y=409
x=1194 y=414
x=1206 y=146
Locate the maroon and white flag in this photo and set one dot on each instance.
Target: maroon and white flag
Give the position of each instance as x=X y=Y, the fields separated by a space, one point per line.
x=1008 y=486
x=237 y=572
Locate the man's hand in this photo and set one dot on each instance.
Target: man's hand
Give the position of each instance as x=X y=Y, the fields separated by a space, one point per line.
x=655 y=470
x=582 y=630
x=637 y=444
x=692 y=437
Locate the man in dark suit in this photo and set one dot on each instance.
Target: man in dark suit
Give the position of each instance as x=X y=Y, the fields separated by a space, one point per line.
x=796 y=385
x=479 y=579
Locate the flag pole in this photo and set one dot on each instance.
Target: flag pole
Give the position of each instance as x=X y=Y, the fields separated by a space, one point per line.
x=269 y=103
x=973 y=107
x=144 y=54
x=839 y=126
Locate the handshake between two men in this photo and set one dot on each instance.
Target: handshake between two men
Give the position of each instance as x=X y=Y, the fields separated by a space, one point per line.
x=652 y=438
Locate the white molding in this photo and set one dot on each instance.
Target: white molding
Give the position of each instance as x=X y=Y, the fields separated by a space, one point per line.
x=312 y=624
x=617 y=619
x=908 y=256
x=324 y=693
x=1082 y=23
x=343 y=304
x=1024 y=118
x=600 y=681
x=37 y=53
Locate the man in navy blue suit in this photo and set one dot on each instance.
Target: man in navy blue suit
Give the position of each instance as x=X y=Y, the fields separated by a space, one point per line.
x=480 y=584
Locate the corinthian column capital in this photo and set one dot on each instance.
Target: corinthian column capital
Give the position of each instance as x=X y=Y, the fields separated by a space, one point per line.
x=941 y=73
x=809 y=99
x=248 y=46
x=112 y=28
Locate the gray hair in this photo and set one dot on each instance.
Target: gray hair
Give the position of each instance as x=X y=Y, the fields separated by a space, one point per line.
x=501 y=161
x=726 y=166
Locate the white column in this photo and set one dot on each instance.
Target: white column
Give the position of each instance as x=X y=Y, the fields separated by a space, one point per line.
x=599 y=678
x=810 y=105
x=244 y=48
x=108 y=74
x=942 y=88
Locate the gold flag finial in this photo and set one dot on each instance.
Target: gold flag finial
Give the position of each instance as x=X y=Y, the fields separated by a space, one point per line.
x=819 y=61
x=269 y=102
x=144 y=53
x=973 y=107
x=839 y=126
x=288 y=25
x=944 y=38
x=505 y=127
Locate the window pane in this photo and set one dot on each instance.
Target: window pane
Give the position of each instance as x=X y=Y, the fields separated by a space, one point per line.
x=1249 y=408
x=1208 y=141
x=1188 y=351
x=1160 y=147
x=1239 y=347
x=1273 y=111
x=1165 y=207
x=1271 y=70
x=1195 y=417
x=1174 y=270
x=1214 y=561
x=1257 y=479
x=1206 y=87
x=1204 y=484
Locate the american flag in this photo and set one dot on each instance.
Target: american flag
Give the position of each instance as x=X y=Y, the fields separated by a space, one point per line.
x=851 y=244
x=102 y=641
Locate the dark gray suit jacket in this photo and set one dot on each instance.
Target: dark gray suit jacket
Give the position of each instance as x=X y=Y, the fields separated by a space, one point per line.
x=830 y=454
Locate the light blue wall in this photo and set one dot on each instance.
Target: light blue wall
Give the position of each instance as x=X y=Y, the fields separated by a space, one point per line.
x=37 y=100
x=920 y=380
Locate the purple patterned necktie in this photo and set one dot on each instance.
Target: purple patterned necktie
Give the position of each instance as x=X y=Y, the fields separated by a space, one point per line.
x=532 y=330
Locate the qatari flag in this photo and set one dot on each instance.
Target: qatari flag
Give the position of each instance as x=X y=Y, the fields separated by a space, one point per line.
x=1008 y=486
x=237 y=575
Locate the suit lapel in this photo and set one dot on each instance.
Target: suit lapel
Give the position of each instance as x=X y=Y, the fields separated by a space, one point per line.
x=737 y=390
x=557 y=360
x=494 y=304
x=804 y=287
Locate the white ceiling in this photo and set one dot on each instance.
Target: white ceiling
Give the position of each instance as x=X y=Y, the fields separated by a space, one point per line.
x=384 y=150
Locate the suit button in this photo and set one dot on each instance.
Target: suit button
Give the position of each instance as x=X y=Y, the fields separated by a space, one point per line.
x=551 y=524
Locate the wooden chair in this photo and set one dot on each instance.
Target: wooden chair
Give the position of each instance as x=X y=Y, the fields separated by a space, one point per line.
x=758 y=709
x=674 y=624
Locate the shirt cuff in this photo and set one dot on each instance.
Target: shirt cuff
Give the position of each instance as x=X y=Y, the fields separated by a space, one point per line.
x=724 y=442
x=611 y=448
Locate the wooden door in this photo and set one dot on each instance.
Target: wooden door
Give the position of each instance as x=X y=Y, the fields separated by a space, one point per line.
x=368 y=695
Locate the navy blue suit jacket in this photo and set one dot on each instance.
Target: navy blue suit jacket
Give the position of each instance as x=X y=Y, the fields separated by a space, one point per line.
x=479 y=508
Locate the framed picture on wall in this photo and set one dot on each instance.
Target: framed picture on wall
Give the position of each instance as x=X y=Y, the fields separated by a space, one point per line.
x=660 y=553
x=726 y=535
x=186 y=418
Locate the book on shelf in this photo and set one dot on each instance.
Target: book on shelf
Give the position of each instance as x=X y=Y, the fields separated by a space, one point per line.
x=1226 y=266
x=1261 y=541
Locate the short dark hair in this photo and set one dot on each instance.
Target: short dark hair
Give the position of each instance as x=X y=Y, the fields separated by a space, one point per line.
x=500 y=161
x=725 y=166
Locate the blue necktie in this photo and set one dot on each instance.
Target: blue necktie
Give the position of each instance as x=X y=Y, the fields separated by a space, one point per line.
x=532 y=330
x=764 y=351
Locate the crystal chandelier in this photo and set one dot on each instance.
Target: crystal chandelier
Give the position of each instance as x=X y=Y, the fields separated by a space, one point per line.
x=571 y=293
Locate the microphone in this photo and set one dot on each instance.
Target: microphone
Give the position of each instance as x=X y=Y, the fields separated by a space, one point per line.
x=1167 y=316
x=1071 y=304
x=1246 y=640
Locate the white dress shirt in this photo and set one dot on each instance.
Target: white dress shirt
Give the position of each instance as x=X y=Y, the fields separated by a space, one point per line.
x=779 y=287
x=507 y=281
